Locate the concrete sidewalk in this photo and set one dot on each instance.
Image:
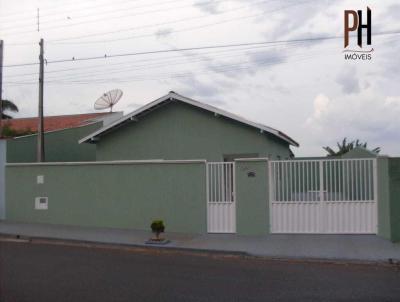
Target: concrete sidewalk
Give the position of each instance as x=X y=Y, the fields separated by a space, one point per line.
x=331 y=247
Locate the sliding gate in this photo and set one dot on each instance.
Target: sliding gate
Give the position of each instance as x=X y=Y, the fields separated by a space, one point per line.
x=221 y=206
x=323 y=196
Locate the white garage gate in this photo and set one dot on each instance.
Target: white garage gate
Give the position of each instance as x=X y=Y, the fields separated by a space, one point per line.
x=331 y=196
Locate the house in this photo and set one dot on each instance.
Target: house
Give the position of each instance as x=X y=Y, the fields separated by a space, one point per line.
x=52 y=123
x=360 y=152
x=176 y=127
x=62 y=133
x=202 y=169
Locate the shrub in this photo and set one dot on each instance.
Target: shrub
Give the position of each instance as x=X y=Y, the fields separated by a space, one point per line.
x=157 y=227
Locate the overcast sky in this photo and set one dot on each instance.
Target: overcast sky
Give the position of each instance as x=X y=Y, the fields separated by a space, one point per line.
x=307 y=90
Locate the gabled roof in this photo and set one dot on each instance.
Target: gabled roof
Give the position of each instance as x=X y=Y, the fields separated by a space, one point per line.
x=52 y=123
x=171 y=96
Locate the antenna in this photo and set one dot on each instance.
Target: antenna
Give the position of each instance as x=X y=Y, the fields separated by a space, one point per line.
x=38 y=20
x=108 y=99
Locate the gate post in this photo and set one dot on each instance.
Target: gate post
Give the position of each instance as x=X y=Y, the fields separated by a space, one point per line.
x=321 y=196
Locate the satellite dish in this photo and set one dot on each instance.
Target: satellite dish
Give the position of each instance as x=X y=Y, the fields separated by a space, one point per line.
x=108 y=100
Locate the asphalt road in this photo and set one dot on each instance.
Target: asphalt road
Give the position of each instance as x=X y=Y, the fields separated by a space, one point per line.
x=47 y=272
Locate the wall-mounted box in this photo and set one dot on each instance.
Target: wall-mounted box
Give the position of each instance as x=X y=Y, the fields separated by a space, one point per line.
x=41 y=203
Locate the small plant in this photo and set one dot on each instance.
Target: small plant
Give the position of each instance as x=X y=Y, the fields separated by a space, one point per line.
x=9 y=132
x=157 y=227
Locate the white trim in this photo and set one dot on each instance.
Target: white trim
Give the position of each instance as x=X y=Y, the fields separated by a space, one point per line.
x=322 y=158
x=252 y=159
x=175 y=96
x=116 y=162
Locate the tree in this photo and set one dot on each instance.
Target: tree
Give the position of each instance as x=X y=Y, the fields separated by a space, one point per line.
x=8 y=105
x=345 y=147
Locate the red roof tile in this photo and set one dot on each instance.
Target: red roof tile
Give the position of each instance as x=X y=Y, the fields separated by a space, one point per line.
x=52 y=123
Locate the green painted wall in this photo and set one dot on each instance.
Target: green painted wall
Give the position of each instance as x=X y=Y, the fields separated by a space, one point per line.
x=384 y=227
x=394 y=174
x=180 y=131
x=60 y=146
x=252 y=209
x=119 y=196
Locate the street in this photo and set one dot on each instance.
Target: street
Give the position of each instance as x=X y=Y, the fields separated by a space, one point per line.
x=55 y=272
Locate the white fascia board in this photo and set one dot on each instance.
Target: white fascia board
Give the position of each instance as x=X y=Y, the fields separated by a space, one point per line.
x=124 y=118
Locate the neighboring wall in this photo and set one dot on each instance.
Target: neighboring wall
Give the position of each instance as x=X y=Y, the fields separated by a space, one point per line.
x=384 y=227
x=180 y=131
x=125 y=195
x=2 y=177
x=389 y=198
x=60 y=146
x=394 y=190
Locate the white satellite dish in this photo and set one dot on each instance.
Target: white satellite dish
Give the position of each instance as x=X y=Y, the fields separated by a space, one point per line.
x=108 y=100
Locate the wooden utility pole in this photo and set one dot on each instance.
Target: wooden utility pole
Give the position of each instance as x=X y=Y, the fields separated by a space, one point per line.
x=1 y=87
x=40 y=136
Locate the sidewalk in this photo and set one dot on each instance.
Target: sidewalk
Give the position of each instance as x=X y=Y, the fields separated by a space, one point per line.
x=331 y=247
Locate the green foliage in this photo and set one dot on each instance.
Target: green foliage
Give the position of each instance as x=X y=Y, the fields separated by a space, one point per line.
x=7 y=131
x=157 y=226
x=345 y=147
x=8 y=105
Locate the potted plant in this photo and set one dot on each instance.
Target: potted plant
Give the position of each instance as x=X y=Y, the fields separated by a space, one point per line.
x=157 y=227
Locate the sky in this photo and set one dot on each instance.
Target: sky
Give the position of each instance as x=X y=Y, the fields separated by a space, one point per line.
x=304 y=88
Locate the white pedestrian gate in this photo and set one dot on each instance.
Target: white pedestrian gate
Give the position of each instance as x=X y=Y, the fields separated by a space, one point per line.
x=334 y=196
x=221 y=205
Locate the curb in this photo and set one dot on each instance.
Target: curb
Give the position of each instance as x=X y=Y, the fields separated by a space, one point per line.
x=193 y=251
x=110 y=245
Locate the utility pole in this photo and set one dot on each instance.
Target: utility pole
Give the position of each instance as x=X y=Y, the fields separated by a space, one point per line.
x=1 y=87
x=40 y=136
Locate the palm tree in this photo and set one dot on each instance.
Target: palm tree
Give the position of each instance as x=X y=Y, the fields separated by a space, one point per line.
x=8 y=105
x=345 y=147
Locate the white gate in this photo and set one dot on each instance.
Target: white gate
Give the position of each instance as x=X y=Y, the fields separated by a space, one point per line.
x=221 y=206
x=334 y=196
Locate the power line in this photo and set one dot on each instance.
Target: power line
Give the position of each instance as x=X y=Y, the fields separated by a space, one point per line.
x=109 y=18
x=101 y=14
x=155 y=62
x=215 y=69
x=221 y=68
x=124 y=63
x=90 y=76
x=164 y=51
x=61 y=9
x=194 y=48
x=62 y=41
x=164 y=61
